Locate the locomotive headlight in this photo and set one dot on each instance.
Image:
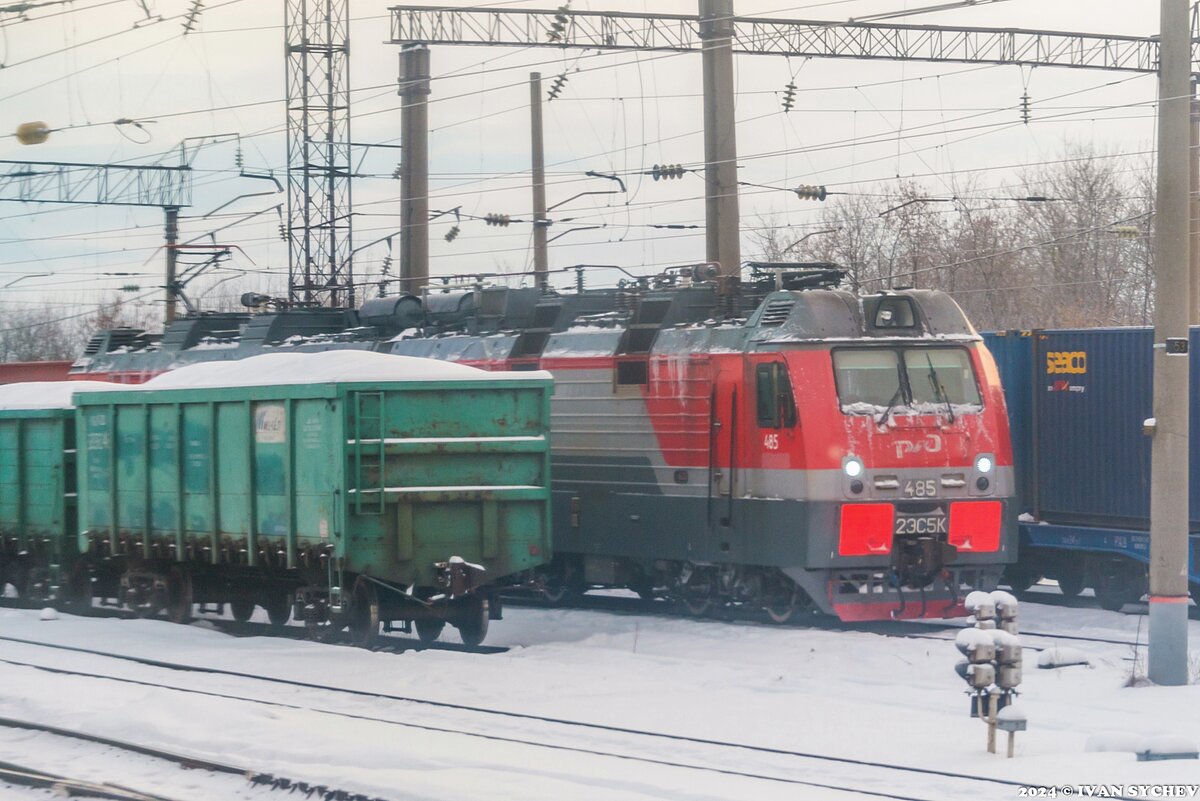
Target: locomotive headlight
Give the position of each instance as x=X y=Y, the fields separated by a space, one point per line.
x=853 y=467
x=983 y=463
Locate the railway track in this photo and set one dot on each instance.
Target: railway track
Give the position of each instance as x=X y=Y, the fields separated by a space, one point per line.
x=23 y=776
x=860 y=773
x=887 y=628
x=40 y=779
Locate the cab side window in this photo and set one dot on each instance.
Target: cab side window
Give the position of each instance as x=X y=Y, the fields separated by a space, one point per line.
x=773 y=392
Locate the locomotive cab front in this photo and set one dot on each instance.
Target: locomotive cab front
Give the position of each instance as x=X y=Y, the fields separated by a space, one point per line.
x=914 y=514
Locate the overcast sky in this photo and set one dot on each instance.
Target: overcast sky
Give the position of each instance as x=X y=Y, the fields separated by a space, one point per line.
x=858 y=126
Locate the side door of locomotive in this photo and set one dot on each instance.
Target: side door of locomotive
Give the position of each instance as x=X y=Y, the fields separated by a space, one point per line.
x=754 y=434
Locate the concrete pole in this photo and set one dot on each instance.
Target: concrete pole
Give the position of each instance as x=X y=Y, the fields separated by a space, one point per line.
x=541 y=253
x=414 y=168
x=1168 y=658
x=172 y=236
x=721 y=215
x=1194 y=213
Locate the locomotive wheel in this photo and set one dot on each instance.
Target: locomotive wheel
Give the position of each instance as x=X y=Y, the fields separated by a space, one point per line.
x=429 y=628
x=364 y=613
x=242 y=609
x=471 y=620
x=279 y=609
x=555 y=593
x=179 y=595
x=696 y=594
x=1071 y=581
x=784 y=606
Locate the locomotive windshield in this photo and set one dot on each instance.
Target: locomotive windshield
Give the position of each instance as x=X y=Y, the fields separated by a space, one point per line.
x=884 y=377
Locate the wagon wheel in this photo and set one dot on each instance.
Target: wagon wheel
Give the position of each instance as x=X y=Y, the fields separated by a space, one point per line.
x=279 y=608
x=364 y=613
x=429 y=628
x=1071 y=581
x=1020 y=576
x=1119 y=583
x=471 y=620
x=179 y=595
x=144 y=601
x=75 y=595
x=242 y=609
x=36 y=586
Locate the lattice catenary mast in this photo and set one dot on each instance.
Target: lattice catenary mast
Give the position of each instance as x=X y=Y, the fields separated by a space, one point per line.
x=318 y=142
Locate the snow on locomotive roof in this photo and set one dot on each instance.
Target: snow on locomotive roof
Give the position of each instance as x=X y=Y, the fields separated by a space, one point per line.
x=327 y=367
x=48 y=394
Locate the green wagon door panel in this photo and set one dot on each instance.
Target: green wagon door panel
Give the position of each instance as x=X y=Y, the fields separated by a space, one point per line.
x=196 y=439
x=315 y=481
x=233 y=477
x=164 y=470
x=270 y=441
x=97 y=436
x=132 y=445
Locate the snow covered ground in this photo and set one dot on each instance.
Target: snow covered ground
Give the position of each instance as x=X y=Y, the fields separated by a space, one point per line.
x=854 y=695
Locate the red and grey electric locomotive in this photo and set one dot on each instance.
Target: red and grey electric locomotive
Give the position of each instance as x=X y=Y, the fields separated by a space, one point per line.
x=779 y=443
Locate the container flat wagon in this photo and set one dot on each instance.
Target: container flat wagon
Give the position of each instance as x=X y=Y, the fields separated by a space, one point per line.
x=1077 y=401
x=350 y=489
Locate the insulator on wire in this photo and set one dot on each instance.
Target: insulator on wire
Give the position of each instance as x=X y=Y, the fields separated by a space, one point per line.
x=193 y=14
x=452 y=234
x=559 y=26
x=789 y=96
x=387 y=264
x=396 y=172
x=239 y=159
x=283 y=232
x=499 y=220
x=559 y=82
x=665 y=172
x=1025 y=108
x=810 y=192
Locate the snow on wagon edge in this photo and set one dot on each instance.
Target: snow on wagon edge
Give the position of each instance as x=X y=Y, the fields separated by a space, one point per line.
x=334 y=366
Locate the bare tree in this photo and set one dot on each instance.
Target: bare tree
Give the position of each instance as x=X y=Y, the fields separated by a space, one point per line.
x=1067 y=245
